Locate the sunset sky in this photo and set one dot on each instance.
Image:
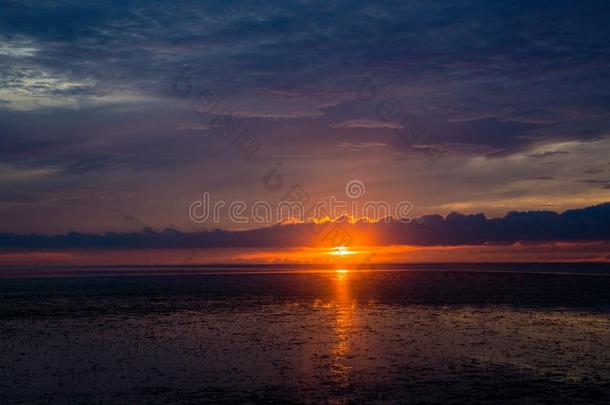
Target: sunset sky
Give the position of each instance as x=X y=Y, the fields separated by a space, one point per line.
x=114 y=115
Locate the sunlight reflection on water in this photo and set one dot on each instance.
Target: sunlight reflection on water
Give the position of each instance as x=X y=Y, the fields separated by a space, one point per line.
x=345 y=308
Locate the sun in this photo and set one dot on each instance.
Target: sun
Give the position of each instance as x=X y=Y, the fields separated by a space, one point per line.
x=341 y=251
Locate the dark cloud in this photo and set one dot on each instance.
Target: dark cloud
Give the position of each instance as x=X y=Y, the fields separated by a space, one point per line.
x=587 y=224
x=540 y=178
x=499 y=136
x=605 y=184
x=594 y=171
x=548 y=153
x=93 y=163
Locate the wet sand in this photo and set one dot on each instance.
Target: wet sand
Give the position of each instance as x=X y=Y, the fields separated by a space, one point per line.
x=332 y=337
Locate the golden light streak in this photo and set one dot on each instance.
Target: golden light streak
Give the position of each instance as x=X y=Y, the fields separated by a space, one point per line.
x=341 y=251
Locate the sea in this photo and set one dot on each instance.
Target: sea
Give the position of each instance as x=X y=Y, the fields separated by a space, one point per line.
x=405 y=333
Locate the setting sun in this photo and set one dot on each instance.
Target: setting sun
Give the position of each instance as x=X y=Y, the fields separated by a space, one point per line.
x=341 y=251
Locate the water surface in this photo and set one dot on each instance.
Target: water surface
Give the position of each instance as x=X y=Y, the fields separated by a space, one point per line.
x=482 y=333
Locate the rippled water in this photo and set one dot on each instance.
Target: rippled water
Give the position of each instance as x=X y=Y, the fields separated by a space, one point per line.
x=334 y=337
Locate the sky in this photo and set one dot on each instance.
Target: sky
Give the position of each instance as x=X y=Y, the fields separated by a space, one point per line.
x=117 y=115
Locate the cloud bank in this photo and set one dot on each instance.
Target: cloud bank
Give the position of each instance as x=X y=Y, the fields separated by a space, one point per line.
x=586 y=224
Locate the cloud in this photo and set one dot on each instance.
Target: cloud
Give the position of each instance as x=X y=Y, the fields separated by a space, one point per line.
x=189 y=126
x=501 y=137
x=365 y=123
x=586 y=224
x=540 y=178
x=605 y=184
x=549 y=153
x=362 y=145
x=594 y=171
x=9 y=174
x=83 y=164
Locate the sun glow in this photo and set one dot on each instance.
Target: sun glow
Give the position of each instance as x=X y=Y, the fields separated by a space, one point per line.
x=341 y=251
x=341 y=271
